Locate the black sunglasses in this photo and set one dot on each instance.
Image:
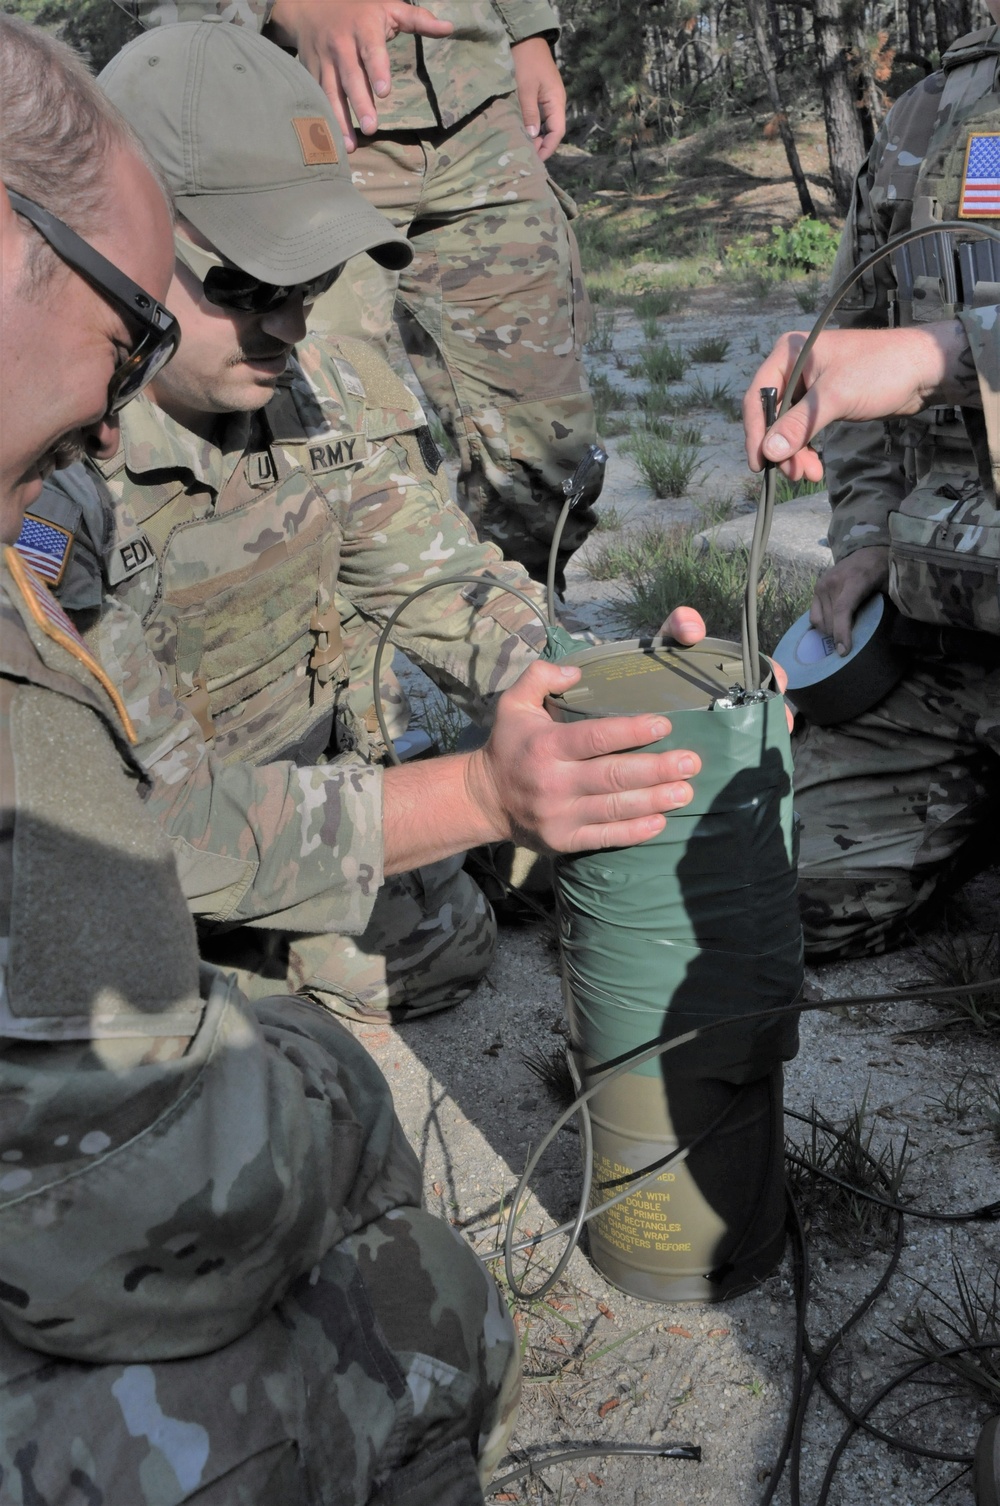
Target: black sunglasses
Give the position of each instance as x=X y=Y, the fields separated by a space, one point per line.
x=229 y=287
x=160 y=333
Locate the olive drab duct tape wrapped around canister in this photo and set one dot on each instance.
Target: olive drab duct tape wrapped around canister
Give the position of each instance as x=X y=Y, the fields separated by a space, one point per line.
x=697 y=925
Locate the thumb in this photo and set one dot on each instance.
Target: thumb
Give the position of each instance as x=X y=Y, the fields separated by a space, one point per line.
x=530 y=111
x=685 y=626
x=540 y=680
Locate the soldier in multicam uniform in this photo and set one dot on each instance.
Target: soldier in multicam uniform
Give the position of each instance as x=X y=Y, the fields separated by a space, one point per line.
x=493 y=309
x=892 y=803
x=229 y=529
x=217 y=1284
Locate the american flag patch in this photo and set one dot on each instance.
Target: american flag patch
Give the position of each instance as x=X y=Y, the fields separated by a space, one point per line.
x=45 y=547
x=981 y=183
x=50 y=608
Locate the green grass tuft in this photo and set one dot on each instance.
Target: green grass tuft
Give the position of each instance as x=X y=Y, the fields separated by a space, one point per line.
x=668 y=468
x=713 y=348
x=664 y=566
x=660 y=364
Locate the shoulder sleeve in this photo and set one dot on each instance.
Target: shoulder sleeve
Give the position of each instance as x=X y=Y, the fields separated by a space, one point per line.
x=528 y=18
x=158 y=1208
x=400 y=528
x=249 y=842
x=173 y=1159
x=356 y=369
x=255 y=13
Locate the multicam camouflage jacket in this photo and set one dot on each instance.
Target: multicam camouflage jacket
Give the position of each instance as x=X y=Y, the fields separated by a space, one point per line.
x=231 y=559
x=172 y=1158
x=435 y=81
x=925 y=487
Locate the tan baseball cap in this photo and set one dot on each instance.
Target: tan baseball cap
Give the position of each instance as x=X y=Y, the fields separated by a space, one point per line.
x=247 y=141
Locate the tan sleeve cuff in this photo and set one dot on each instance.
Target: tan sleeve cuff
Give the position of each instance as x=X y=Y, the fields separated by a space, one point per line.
x=528 y=18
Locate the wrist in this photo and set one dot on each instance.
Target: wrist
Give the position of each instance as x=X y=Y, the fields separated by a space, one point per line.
x=483 y=798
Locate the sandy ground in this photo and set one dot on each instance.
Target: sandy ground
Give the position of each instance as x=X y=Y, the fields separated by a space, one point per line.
x=599 y=1365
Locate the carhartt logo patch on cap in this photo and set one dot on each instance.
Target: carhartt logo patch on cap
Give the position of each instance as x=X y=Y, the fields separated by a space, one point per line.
x=981 y=183
x=316 y=140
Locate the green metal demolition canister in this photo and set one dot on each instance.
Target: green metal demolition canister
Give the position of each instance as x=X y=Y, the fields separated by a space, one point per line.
x=696 y=926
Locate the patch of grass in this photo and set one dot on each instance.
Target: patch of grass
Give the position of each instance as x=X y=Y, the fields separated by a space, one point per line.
x=660 y=416
x=657 y=303
x=668 y=468
x=955 y=958
x=609 y=400
x=607 y=396
x=552 y=1070
x=599 y=238
x=712 y=580
x=442 y=719
x=847 y=1151
x=808 y=294
x=654 y=401
x=719 y=396
x=614 y=426
x=713 y=348
x=627 y=557
x=609 y=518
x=956 y=1102
x=972 y=1318
x=602 y=332
x=715 y=510
x=660 y=364
x=785 y=490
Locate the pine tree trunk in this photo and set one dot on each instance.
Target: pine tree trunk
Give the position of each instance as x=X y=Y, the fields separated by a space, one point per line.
x=843 y=128
x=952 y=19
x=758 y=22
x=915 y=39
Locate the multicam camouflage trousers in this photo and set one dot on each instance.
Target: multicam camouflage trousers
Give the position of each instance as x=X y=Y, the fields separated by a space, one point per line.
x=430 y=939
x=390 y=1374
x=892 y=805
x=492 y=312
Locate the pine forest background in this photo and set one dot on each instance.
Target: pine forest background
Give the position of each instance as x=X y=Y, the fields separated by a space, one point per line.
x=703 y=138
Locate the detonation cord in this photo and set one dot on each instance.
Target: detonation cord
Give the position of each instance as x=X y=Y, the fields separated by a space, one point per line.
x=808 y=1363
x=435 y=585
x=966 y=227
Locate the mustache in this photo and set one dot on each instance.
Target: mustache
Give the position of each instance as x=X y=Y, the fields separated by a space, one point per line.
x=271 y=350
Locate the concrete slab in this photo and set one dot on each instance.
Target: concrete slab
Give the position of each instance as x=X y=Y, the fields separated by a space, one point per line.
x=798 y=539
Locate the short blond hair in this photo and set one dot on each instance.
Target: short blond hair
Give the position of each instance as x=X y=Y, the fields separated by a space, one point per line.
x=58 y=131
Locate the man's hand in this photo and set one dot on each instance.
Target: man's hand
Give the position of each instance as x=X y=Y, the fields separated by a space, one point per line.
x=842 y=589
x=343 y=44
x=684 y=625
x=541 y=94
x=855 y=374
x=572 y=786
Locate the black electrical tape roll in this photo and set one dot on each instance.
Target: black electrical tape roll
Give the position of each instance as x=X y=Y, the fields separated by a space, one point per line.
x=828 y=688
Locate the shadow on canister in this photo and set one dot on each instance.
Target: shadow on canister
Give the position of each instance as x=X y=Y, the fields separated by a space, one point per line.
x=698 y=925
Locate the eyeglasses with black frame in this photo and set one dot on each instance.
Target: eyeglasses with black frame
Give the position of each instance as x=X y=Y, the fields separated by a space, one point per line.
x=160 y=333
x=229 y=287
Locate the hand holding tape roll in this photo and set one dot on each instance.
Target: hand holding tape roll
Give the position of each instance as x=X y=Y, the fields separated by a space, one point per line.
x=829 y=688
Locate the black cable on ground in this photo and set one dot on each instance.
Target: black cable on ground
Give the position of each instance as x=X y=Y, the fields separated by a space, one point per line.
x=800 y=1282
x=818 y=1361
x=596 y=1450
